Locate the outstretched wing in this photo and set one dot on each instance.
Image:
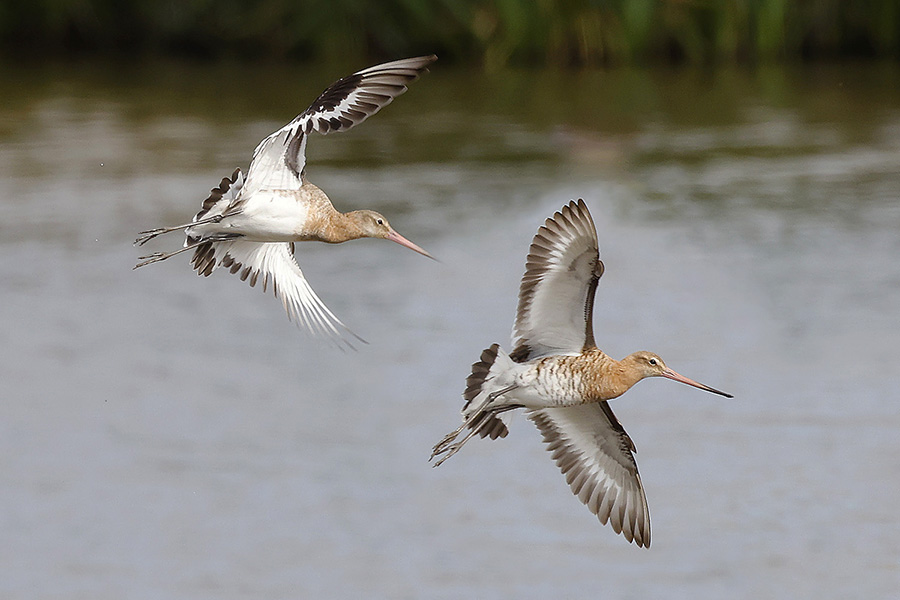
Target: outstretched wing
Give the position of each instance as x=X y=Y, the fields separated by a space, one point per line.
x=273 y=263
x=279 y=159
x=597 y=457
x=556 y=298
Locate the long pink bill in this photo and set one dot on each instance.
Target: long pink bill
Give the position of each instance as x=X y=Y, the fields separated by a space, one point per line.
x=669 y=373
x=396 y=237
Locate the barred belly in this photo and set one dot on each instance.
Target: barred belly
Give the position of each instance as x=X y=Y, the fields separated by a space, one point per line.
x=551 y=381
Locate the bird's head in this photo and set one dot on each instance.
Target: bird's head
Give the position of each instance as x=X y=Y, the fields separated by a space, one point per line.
x=373 y=225
x=648 y=364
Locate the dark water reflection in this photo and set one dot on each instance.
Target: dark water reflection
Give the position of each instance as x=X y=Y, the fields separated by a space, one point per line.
x=166 y=436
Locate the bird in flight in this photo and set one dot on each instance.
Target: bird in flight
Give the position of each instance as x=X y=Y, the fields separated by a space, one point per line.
x=563 y=380
x=249 y=225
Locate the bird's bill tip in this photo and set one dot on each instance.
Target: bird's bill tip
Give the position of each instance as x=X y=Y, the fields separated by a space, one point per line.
x=396 y=237
x=670 y=374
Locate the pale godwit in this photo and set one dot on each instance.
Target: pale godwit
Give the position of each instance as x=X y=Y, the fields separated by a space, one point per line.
x=557 y=373
x=250 y=226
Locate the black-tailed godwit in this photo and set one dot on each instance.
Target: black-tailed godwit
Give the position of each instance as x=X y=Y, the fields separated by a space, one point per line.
x=249 y=226
x=559 y=376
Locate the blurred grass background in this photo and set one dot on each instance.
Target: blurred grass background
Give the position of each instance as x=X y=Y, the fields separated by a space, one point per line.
x=491 y=34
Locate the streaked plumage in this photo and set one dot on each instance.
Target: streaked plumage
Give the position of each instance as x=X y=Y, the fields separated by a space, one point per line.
x=563 y=381
x=249 y=225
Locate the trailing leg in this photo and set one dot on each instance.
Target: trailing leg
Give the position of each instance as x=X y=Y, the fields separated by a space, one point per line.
x=146 y=236
x=448 y=449
x=492 y=376
x=476 y=420
x=160 y=256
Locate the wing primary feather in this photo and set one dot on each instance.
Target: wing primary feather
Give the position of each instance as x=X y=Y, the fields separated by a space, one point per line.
x=556 y=296
x=273 y=263
x=279 y=159
x=596 y=458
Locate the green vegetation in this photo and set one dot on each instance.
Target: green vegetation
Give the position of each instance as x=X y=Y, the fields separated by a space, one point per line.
x=495 y=34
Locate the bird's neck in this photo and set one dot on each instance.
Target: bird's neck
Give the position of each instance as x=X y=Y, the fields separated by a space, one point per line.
x=612 y=377
x=336 y=227
x=325 y=223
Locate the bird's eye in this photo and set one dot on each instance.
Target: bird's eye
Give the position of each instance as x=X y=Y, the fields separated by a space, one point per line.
x=379 y=221
x=652 y=361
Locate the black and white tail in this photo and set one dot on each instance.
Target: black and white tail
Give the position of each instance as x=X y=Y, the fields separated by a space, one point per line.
x=220 y=198
x=484 y=380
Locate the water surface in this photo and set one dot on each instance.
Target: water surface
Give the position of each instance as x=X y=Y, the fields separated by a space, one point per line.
x=166 y=436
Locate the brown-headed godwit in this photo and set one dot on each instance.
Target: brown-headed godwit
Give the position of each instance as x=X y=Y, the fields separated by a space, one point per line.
x=559 y=376
x=250 y=226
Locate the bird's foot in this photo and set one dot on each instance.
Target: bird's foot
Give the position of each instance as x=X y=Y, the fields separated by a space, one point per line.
x=146 y=236
x=447 y=448
x=150 y=258
x=448 y=451
x=445 y=442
